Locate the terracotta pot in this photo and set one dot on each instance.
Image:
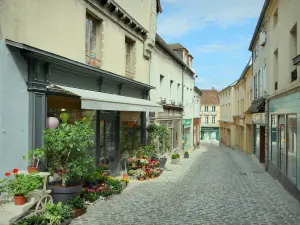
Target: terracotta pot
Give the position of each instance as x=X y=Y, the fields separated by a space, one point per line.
x=32 y=169
x=147 y=178
x=19 y=200
x=78 y=212
x=141 y=157
x=152 y=176
x=125 y=176
x=142 y=178
x=143 y=167
x=133 y=165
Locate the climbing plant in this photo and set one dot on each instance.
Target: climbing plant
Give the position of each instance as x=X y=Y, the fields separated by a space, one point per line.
x=159 y=138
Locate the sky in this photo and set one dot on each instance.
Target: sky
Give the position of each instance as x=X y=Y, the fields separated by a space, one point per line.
x=217 y=33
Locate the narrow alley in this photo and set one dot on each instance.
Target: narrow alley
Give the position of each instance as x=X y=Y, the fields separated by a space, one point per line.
x=216 y=185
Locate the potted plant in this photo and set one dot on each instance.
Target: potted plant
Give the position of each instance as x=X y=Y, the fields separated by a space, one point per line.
x=22 y=185
x=91 y=197
x=34 y=156
x=152 y=173
x=178 y=157
x=105 y=169
x=140 y=174
x=186 y=155
x=114 y=185
x=56 y=214
x=144 y=163
x=133 y=161
x=77 y=205
x=66 y=148
x=174 y=159
x=32 y=220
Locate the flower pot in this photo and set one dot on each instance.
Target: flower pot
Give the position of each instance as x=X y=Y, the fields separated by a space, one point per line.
x=125 y=176
x=186 y=156
x=78 y=212
x=141 y=157
x=32 y=169
x=133 y=165
x=147 y=178
x=63 y=194
x=142 y=178
x=19 y=200
x=162 y=162
x=152 y=176
x=143 y=167
x=174 y=161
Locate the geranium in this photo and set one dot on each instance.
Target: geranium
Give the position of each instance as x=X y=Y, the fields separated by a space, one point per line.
x=15 y=171
x=144 y=162
x=140 y=173
x=7 y=174
x=132 y=160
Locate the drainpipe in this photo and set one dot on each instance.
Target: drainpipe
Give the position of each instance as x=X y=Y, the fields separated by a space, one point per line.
x=182 y=98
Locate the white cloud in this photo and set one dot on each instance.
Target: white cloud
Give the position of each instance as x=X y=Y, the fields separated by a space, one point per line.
x=192 y=15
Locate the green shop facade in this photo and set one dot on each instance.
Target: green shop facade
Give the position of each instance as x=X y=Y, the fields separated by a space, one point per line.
x=43 y=85
x=210 y=133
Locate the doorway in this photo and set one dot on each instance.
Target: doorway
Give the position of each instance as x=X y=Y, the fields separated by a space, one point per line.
x=262 y=145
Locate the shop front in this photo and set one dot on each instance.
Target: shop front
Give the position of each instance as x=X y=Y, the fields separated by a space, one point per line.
x=210 y=133
x=59 y=87
x=187 y=136
x=284 y=114
x=259 y=136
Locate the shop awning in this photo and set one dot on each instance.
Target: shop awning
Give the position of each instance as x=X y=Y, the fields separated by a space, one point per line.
x=103 y=101
x=257 y=107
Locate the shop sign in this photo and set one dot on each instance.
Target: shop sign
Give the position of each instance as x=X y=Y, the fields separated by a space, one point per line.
x=209 y=128
x=258 y=118
x=187 y=122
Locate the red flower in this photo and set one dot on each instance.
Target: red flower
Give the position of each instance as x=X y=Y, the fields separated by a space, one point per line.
x=15 y=170
x=7 y=174
x=131 y=124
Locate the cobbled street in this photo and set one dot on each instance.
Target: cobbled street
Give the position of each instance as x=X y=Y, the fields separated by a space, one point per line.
x=215 y=186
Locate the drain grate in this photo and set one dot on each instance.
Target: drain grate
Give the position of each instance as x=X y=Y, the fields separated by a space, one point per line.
x=242 y=173
x=257 y=171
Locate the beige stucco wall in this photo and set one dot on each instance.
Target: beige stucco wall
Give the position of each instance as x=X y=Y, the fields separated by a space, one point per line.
x=239 y=99
x=248 y=86
x=163 y=64
x=32 y=22
x=188 y=95
x=226 y=97
x=210 y=115
x=279 y=37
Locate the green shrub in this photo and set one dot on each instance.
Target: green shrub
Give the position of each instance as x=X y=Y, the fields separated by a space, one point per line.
x=186 y=153
x=33 y=220
x=55 y=214
x=91 y=197
x=178 y=156
x=174 y=156
x=76 y=203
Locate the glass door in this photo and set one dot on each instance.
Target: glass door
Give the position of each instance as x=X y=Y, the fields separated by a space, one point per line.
x=281 y=145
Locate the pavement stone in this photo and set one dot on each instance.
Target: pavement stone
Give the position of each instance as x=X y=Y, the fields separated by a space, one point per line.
x=216 y=185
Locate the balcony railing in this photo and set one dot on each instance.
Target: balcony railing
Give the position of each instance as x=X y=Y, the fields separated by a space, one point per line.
x=206 y=113
x=214 y=113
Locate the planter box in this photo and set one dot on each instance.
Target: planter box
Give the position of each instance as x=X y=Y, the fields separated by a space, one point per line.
x=162 y=162
x=174 y=161
x=186 y=156
x=78 y=212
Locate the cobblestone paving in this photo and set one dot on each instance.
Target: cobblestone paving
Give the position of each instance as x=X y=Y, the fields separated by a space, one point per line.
x=212 y=192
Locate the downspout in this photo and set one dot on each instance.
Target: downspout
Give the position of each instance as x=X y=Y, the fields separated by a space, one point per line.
x=182 y=98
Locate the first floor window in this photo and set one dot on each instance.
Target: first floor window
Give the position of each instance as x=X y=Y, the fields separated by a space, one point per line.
x=213 y=120
x=206 y=120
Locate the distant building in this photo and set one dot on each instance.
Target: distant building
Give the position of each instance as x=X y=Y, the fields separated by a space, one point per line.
x=210 y=114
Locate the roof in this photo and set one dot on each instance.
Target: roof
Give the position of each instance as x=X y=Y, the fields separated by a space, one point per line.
x=247 y=67
x=210 y=97
x=231 y=85
x=259 y=23
x=176 y=46
x=165 y=46
x=198 y=90
x=257 y=106
x=158 y=6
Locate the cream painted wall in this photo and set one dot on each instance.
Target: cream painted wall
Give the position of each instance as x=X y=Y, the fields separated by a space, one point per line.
x=196 y=105
x=227 y=105
x=238 y=101
x=210 y=124
x=188 y=95
x=248 y=91
x=163 y=64
x=280 y=37
x=33 y=24
x=139 y=9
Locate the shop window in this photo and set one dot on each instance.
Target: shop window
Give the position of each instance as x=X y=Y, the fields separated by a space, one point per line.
x=273 y=148
x=292 y=147
x=56 y=105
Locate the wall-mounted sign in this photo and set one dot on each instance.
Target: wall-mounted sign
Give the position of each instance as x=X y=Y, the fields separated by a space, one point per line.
x=258 y=118
x=187 y=122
